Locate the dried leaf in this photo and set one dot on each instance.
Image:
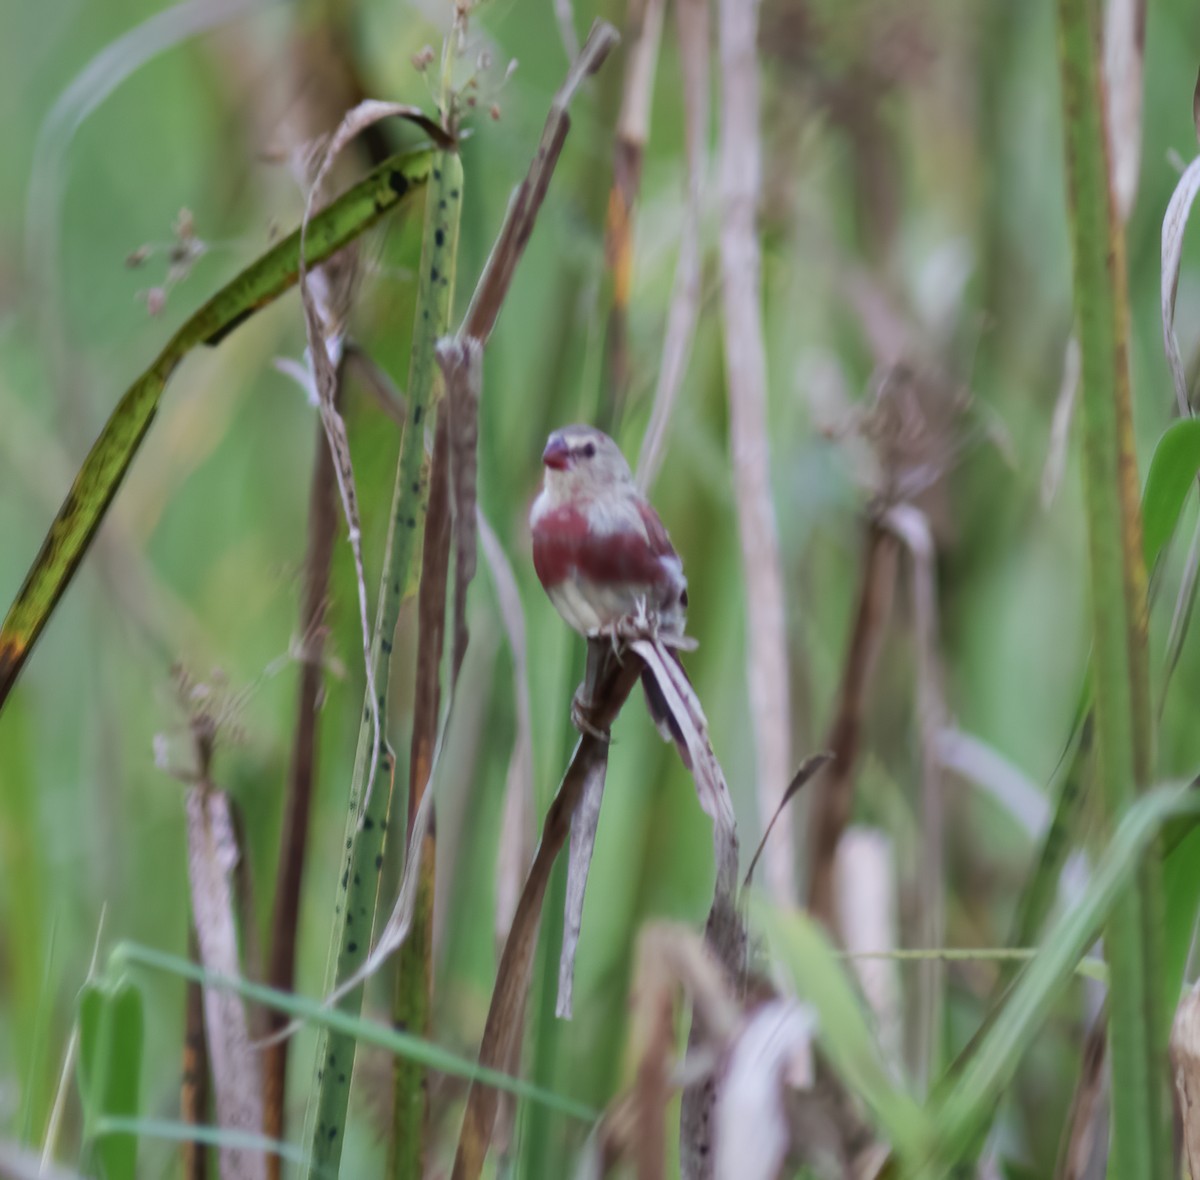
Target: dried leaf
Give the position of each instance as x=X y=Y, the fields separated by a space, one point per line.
x=808 y=769
x=1085 y=1143
x=516 y=825
x=725 y=929
x=1174 y=225
x=584 y=822
x=752 y=1131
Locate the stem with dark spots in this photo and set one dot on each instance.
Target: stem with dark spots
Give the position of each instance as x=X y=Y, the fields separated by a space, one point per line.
x=414 y=979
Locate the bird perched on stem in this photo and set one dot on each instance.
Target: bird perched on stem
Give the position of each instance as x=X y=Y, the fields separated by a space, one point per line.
x=605 y=559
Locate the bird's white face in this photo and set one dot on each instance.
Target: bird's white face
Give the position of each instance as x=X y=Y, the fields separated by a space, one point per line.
x=583 y=463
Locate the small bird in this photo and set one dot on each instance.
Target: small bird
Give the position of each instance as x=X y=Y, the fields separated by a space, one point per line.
x=601 y=552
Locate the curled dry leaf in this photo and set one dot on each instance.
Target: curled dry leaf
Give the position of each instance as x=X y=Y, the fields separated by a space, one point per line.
x=1174 y=224
x=516 y=826
x=752 y=1129
x=725 y=930
x=584 y=822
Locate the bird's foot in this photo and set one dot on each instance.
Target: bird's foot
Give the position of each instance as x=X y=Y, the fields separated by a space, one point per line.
x=581 y=718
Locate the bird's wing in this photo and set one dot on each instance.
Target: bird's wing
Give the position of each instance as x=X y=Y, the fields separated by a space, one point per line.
x=565 y=546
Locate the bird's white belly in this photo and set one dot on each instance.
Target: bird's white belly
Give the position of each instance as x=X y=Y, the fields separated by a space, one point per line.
x=589 y=607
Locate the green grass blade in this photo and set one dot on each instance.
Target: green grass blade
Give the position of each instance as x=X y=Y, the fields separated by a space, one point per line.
x=358 y=887
x=315 y=1012
x=218 y=1137
x=107 y=462
x=974 y=1095
x=412 y=1002
x=110 y=1063
x=1173 y=470
x=800 y=946
x=1133 y=936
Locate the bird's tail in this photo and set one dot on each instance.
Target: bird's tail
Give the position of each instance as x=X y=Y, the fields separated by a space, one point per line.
x=660 y=713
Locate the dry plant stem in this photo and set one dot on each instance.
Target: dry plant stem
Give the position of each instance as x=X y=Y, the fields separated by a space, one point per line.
x=527 y=200
x=724 y=931
x=414 y=977
x=462 y=368
x=584 y=824
x=746 y=375
x=293 y=840
x=516 y=826
x=193 y=1095
x=692 y=25
x=1085 y=1141
x=512 y=976
x=212 y=857
x=1133 y=934
x=833 y=798
x=633 y=130
x=912 y=527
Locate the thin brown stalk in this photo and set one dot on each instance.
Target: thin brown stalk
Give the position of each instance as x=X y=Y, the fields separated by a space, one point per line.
x=527 y=200
x=746 y=375
x=833 y=796
x=412 y=1004
x=293 y=838
x=212 y=855
x=193 y=1090
x=1084 y=1154
x=513 y=974
x=464 y=387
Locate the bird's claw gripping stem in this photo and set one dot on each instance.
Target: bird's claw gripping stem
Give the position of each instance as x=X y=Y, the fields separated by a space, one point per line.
x=581 y=711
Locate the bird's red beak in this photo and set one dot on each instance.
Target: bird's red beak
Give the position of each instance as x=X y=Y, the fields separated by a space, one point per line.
x=557 y=453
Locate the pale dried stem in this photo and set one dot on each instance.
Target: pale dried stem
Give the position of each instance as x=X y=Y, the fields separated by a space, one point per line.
x=912 y=527
x=693 y=32
x=746 y=375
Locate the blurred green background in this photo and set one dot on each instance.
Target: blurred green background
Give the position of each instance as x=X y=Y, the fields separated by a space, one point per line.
x=912 y=159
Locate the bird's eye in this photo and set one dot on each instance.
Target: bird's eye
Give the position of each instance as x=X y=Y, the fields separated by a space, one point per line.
x=589 y=449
